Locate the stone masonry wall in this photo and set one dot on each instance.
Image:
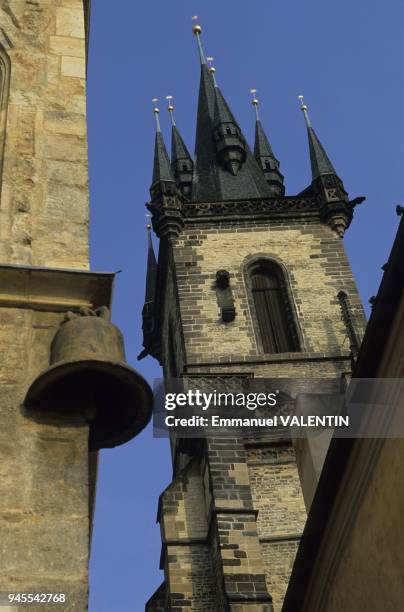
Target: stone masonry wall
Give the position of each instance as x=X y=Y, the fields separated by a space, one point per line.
x=277 y=495
x=44 y=513
x=44 y=187
x=317 y=268
x=253 y=553
x=44 y=471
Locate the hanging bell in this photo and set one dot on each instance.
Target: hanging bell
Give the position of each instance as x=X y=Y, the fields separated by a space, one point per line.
x=88 y=376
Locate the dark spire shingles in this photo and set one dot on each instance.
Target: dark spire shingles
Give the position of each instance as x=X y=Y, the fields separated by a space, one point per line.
x=211 y=181
x=266 y=159
x=320 y=162
x=262 y=147
x=162 y=165
x=178 y=147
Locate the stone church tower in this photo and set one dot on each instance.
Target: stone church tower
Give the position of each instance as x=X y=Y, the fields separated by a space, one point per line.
x=65 y=390
x=249 y=282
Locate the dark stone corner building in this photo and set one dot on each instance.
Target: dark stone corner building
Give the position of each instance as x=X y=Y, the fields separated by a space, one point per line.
x=251 y=282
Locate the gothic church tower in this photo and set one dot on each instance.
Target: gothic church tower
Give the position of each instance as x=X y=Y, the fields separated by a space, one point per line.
x=249 y=282
x=65 y=390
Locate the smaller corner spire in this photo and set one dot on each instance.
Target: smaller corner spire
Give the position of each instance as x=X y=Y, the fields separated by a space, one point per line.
x=335 y=207
x=264 y=154
x=320 y=162
x=197 y=30
x=161 y=165
x=182 y=164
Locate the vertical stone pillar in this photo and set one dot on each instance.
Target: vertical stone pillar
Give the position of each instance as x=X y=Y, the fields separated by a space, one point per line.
x=234 y=520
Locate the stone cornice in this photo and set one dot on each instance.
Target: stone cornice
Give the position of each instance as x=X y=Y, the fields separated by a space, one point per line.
x=54 y=289
x=285 y=207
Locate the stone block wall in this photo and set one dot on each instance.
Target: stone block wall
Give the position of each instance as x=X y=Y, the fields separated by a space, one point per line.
x=277 y=496
x=316 y=269
x=44 y=472
x=45 y=468
x=44 y=184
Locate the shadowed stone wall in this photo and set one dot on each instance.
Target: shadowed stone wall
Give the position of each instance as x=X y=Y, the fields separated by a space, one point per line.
x=44 y=464
x=44 y=195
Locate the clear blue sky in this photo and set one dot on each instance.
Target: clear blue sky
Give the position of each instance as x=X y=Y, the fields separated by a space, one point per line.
x=347 y=58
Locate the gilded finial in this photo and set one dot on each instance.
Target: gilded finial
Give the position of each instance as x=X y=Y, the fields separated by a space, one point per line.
x=197 y=30
x=156 y=112
x=212 y=69
x=254 y=102
x=148 y=224
x=303 y=108
x=170 y=108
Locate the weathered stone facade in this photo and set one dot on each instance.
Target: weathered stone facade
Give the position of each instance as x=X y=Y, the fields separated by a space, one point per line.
x=44 y=194
x=47 y=473
x=45 y=466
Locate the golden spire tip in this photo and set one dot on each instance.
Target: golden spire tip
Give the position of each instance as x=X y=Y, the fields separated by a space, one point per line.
x=197 y=28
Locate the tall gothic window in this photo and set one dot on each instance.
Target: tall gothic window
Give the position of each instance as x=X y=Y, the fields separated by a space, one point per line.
x=273 y=309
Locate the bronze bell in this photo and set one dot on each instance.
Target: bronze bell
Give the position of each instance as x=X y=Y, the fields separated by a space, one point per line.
x=88 y=376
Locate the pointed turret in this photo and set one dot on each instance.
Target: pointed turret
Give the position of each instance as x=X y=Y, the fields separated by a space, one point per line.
x=320 y=162
x=231 y=148
x=182 y=164
x=161 y=166
x=265 y=156
x=165 y=196
x=225 y=168
x=148 y=314
x=335 y=208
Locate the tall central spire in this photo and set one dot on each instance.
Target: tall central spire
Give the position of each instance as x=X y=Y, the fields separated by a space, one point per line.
x=225 y=168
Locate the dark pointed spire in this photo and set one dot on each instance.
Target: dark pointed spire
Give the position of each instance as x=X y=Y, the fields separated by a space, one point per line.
x=320 y=162
x=225 y=168
x=334 y=205
x=148 y=315
x=265 y=156
x=161 y=166
x=181 y=161
x=151 y=276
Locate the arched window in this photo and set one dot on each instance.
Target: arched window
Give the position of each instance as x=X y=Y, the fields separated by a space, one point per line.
x=273 y=309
